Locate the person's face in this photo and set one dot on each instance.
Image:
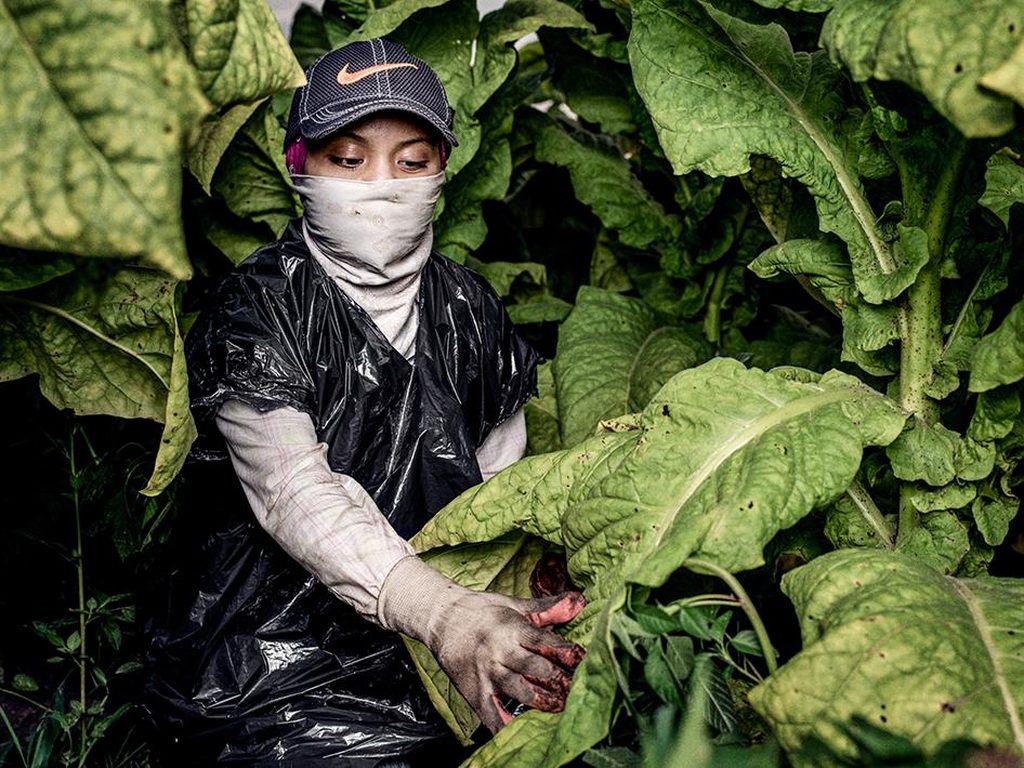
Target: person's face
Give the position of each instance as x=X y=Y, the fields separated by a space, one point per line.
x=381 y=146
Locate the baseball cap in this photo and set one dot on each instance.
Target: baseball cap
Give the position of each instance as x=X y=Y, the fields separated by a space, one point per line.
x=356 y=80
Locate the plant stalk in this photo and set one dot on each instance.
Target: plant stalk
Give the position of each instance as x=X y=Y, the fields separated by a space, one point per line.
x=921 y=313
x=713 y=318
x=80 y=568
x=705 y=566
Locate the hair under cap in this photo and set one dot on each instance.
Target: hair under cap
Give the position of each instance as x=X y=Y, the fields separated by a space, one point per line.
x=349 y=83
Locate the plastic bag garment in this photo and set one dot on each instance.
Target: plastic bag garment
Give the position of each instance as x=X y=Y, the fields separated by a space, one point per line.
x=251 y=658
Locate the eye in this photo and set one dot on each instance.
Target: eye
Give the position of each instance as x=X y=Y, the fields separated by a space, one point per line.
x=413 y=165
x=345 y=162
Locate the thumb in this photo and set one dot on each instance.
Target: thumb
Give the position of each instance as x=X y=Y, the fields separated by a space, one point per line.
x=557 y=609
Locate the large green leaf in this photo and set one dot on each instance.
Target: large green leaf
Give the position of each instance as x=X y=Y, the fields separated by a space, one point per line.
x=499 y=32
x=251 y=177
x=720 y=460
x=602 y=179
x=212 y=140
x=98 y=98
x=999 y=356
x=104 y=343
x=940 y=48
x=238 y=50
x=741 y=91
x=889 y=639
x=614 y=353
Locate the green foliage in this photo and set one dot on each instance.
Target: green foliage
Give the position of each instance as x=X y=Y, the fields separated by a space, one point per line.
x=872 y=227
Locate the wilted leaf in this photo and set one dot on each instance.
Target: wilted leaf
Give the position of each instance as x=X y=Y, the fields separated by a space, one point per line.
x=993 y=517
x=925 y=452
x=994 y=414
x=939 y=539
x=97 y=102
x=849 y=524
x=953 y=496
x=931 y=657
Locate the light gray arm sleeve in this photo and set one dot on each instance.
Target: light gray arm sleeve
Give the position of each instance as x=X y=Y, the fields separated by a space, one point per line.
x=323 y=519
x=505 y=445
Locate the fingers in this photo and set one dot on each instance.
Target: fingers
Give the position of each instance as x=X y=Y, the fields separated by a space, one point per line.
x=546 y=693
x=565 y=654
x=559 y=609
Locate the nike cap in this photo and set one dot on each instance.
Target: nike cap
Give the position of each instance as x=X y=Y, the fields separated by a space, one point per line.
x=349 y=83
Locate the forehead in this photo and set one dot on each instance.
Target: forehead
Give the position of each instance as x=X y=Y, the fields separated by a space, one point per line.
x=391 y=127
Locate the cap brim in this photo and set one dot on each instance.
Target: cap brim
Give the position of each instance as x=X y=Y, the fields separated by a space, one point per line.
x=315 y=127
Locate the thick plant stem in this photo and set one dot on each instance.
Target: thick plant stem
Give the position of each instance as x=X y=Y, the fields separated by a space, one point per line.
x=705 y=566
x=921 y=318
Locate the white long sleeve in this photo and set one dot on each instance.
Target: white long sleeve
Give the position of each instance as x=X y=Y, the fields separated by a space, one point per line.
x=505 y=445
x=324 y=519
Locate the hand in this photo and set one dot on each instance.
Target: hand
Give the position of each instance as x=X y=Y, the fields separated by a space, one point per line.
x=491 y=646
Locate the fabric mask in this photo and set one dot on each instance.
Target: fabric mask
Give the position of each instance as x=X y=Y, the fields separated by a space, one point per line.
x=373 y=238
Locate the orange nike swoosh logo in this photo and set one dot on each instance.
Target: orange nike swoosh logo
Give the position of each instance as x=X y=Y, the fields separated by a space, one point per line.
x=347 y=78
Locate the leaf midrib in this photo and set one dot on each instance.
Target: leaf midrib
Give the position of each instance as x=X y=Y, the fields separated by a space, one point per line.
x=998 y=674
x=72 y=320
x=738 y=441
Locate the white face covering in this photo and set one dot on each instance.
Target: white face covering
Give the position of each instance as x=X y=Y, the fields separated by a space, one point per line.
x=373 y=238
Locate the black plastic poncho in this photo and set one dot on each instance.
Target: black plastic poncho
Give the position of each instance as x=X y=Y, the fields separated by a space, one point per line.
x=253 y=660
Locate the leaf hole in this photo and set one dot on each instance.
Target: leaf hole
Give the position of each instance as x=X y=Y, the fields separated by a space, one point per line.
x=947 y=707
x=881 y=655
x=958 y=68
x=884 y=719
x=665 y=411
x=1012 y=28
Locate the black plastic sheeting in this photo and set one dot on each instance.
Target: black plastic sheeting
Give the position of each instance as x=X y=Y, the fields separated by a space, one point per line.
x=252 y=661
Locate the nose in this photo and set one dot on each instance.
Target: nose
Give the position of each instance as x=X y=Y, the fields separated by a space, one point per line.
x=378 y=167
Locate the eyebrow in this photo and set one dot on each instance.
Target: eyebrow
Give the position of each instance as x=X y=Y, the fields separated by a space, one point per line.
x=422 y=139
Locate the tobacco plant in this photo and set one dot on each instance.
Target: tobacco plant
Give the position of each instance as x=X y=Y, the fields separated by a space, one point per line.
x=771 y=249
